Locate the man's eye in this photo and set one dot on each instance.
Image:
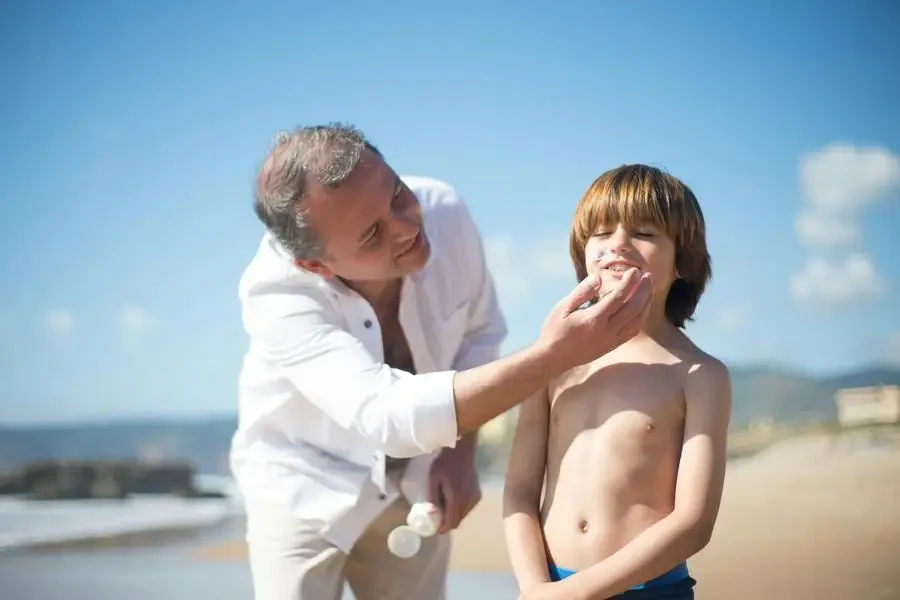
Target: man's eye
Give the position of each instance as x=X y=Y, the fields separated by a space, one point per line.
x=374 y=236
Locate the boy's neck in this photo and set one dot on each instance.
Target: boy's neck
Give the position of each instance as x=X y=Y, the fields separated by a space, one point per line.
x=657 y=324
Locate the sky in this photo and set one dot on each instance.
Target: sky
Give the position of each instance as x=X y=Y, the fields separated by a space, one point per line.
x=131 y=134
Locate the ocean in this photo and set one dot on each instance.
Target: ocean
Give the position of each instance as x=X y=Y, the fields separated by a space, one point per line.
x=145 y=567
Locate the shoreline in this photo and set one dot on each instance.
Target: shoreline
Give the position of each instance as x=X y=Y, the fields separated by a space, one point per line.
x=95 y=524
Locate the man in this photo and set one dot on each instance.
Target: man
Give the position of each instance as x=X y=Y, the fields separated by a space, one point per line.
x=374 y=342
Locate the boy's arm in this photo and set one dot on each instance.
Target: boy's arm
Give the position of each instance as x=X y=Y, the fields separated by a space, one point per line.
x=701 y=475
x=522 y=493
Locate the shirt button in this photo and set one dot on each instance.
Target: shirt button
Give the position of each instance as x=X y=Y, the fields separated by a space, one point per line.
x=367 y=323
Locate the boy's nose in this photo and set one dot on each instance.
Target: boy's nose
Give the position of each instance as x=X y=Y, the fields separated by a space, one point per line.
x=620 y=242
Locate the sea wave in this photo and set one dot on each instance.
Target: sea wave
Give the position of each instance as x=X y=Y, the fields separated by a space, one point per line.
x=30 y=524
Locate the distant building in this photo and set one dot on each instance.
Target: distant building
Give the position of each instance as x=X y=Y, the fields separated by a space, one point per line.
x=868 y=405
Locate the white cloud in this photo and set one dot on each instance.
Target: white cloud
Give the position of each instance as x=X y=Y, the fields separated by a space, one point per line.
x=892 y=349
x=731 y=319
x=823 y=230
x=839 y=182
x=59 y=323
x=835 y=285
x=134 y=320
x=521 y=267
x=843 y=178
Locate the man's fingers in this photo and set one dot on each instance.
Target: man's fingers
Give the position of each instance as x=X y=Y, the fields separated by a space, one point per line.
x=435 y=494
x=638 y=299
x=449 y=509
x=586 y=290
x=620 y=291
x=611 y=300
x=630 y=326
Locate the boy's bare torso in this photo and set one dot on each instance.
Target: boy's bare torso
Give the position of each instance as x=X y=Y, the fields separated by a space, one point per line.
x=615 y=436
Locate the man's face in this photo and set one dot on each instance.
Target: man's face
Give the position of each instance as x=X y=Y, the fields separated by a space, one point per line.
x=371 y=226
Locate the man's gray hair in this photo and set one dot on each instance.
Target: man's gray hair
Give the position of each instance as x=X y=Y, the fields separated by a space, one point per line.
x=320 y=154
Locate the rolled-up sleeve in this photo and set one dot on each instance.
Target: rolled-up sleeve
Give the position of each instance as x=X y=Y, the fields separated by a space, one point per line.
x=297 y=329
x=486 y=329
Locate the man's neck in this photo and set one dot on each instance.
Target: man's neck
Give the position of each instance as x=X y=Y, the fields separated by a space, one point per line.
x=383 y=296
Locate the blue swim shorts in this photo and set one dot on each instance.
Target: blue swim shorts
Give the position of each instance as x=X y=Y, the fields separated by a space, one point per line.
x=676 y=584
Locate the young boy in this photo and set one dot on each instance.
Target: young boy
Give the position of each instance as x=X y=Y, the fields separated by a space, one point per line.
x=633 y=444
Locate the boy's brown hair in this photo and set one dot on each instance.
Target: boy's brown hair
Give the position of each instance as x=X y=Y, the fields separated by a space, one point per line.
x=639 y=194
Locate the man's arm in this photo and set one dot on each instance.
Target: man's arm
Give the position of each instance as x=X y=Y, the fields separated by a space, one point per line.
x=522 y=493
x=295 y=327
x=701 y=475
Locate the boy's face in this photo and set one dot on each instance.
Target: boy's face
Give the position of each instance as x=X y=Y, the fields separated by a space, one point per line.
x=614 y=248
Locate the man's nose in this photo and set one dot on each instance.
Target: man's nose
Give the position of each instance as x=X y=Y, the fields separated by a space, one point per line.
x=403 y=227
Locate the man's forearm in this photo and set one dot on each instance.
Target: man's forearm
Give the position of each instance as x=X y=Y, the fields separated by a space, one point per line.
x=483 y=392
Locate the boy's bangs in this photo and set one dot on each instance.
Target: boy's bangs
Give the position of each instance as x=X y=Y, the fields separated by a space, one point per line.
x=632 y=208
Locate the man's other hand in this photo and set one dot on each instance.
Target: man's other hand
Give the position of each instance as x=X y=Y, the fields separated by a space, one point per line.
x=453 y=484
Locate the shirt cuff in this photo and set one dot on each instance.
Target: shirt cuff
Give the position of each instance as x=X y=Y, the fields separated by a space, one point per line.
x=431 y=407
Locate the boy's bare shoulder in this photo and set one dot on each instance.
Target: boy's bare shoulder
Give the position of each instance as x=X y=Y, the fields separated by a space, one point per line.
x=705 y=374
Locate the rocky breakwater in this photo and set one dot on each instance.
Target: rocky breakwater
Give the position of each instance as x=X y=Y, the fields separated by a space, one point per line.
x=83 y=480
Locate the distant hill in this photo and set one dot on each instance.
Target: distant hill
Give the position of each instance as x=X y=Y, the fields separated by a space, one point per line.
x=788 y=397
x=759 y=392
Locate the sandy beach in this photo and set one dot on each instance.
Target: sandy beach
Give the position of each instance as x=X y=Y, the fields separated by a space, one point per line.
x=810 y=518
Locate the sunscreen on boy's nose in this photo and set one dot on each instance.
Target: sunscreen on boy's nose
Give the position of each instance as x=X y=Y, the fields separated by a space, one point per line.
x=403 y=542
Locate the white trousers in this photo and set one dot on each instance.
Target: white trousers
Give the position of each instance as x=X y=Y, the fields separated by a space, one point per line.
x=289 y=560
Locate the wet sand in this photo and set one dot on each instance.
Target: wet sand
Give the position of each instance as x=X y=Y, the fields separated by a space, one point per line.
x=813 y=518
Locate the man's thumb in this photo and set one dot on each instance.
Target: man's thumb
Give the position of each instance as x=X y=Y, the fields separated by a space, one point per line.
x=586 y=290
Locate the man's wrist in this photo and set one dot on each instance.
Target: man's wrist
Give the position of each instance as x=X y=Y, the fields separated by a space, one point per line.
x=544 y=359
x=467 y=444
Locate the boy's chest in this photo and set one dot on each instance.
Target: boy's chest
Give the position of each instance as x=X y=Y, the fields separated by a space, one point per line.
x=631 y=396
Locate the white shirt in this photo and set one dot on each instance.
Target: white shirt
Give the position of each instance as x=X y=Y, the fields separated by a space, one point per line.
x=319 y=409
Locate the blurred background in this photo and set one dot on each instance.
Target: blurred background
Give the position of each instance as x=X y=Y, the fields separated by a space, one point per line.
x=129 y=140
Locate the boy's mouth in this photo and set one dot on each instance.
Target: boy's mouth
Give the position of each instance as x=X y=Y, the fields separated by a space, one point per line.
x=619 y=266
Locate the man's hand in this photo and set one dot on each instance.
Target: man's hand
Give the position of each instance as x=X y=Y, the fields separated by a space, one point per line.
x=453 y=483
x=576 y=336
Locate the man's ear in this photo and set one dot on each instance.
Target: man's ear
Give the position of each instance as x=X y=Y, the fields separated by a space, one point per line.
x=316 y=267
